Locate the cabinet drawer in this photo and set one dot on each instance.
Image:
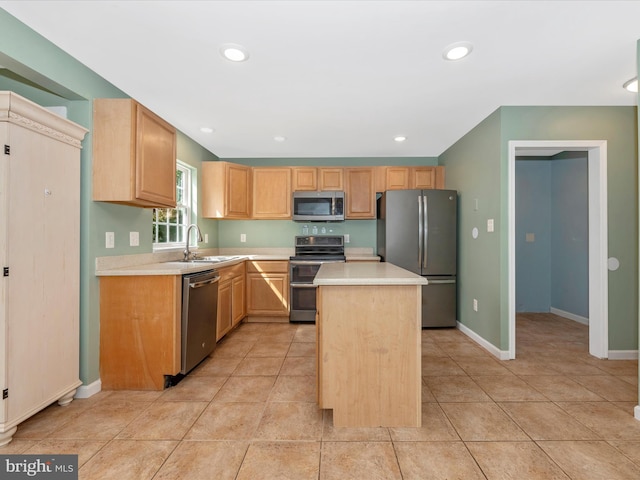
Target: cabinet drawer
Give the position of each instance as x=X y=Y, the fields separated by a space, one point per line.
x=270 y=266
x=227 y=273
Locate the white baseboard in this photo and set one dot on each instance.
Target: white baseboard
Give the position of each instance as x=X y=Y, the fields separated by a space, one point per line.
x=569 y=315
x=86 y=391
x=636 y=412
x=623 y=354
x=492 y=349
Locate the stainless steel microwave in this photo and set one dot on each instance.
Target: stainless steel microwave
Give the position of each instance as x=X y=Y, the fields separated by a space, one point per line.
x=318 y=206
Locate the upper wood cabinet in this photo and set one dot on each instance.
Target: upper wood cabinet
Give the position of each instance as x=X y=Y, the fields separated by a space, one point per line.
x=331 y=179
x=402 y=178
x=317 y=179
x=134 y=155
x=360 y=193
x=271 y=193
x=226 y=190
x=304 y=178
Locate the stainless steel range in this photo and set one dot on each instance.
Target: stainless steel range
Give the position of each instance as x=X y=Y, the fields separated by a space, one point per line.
x=310 y=253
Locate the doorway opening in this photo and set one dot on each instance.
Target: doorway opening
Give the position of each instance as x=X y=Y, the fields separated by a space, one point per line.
x=597 y=205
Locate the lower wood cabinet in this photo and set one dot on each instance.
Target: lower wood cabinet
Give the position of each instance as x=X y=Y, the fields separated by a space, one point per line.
x=140 y=331
x=231 y=298
x=268 y=288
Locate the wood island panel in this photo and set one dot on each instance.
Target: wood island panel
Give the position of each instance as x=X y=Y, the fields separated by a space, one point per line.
x=369 y=354
x=139 y=331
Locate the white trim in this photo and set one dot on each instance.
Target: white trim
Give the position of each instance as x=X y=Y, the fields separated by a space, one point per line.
x=492 y=349
x=623 y=354
x=86 y=391
x=636 y=412
x=569 y=315
x=598 y=273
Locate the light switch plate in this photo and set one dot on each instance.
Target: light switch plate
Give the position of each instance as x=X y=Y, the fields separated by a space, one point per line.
x=490 y=225
x=346 y=238
x=110 y=240
x=243 y=237
x=206 y=238
x=134 y=239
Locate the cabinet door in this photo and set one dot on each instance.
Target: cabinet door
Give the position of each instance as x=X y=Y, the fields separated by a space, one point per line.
x=331 y=179
x=155 y=159
x=271 y=192
x=268 y=294
x=304 y=178
x=397 y=178
x=237 y=299
x=224 y=309
x=238 y=188
x=361 y=197
x=423 y=177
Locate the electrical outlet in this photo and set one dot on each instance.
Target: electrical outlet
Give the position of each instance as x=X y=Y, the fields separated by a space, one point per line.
x=475 y=304
x=134 y=239
x=346 y=238
x=490 y=225
x=243 y=237
x=110 y=240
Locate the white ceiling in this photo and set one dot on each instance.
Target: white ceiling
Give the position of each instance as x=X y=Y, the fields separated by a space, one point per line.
x=342 y=78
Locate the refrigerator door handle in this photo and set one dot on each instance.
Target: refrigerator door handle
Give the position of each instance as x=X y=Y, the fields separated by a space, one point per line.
x=426 y=232
x=420 y=230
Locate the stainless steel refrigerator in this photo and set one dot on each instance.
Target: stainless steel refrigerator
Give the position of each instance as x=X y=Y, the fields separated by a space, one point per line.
x=417 y=230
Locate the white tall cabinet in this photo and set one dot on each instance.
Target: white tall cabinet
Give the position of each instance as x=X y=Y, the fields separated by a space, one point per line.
x=40 y=260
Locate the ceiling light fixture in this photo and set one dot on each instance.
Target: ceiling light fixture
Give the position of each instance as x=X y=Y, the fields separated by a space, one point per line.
x=631 y=85
x=279 y=138
x=457 y=50
x=399 y=138
x=234 y=52
x=206 y=130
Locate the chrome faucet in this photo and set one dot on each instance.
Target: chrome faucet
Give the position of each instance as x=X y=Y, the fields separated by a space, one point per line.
x=187 y=253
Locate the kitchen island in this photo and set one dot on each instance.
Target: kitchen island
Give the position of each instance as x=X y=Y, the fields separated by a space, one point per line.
x=369 y=344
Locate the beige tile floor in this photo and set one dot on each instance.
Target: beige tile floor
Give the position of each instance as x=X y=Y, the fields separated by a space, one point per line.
x=249 y=413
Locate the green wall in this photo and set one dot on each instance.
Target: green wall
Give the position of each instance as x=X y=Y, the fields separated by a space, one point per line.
x=53 y=78
x=477 y=166
x=473 y=168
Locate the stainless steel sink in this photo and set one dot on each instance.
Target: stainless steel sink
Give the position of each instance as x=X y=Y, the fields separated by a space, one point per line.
x=215 y=259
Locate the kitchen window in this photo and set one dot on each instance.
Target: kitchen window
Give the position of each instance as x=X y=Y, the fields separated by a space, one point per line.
x=170 y=224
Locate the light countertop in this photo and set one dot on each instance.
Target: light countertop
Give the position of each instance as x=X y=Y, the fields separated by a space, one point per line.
x=366 y=273
x=179 y=268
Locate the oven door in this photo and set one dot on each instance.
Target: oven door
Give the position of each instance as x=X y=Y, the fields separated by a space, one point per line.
x=302 y=272
x=302 y=301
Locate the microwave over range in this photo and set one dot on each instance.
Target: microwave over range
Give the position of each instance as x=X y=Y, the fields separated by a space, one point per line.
x=318 y=206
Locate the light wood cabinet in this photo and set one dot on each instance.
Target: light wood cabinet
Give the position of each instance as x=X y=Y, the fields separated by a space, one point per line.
x=268 y=288
x=140 y=331
x=134 y=155
x=226 y=190
x=40 y=254
x=402 y=178
x=330 y=179
x=397 y=178
x=231 y=298
x=304 y=179
x=360 y=193
x=271 y=193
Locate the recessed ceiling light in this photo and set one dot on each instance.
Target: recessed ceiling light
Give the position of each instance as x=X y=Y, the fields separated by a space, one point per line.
x=632 y=85
x=206 y=130
x=234 y=52
x=399 y=138
x=457 y=50
x=279 y=138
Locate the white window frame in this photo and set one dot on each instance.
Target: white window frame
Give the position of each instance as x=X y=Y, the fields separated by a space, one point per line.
x=185 y=193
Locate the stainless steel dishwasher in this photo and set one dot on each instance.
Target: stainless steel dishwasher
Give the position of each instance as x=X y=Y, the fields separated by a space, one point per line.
x=199 y=317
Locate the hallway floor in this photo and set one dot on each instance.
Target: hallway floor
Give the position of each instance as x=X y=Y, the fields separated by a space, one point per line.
x=249 y=413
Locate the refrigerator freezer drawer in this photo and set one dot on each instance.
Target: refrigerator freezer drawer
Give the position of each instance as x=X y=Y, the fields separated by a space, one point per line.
x=439 y=302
